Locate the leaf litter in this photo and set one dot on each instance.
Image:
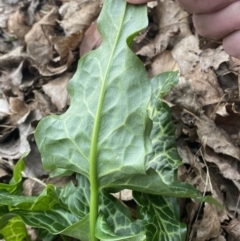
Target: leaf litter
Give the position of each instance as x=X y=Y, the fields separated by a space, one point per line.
x=40 y=44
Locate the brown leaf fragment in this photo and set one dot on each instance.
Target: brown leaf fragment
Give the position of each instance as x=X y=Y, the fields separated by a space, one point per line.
x=57 y=91
x=18 y=109
x=162 y=63
x=219 y=238
x=213 y=58
x=173 y=26
x=13 y=58
x=9 y=149
x=186 y=53
x=205 y=85
x=4 y=174
x=43 y=103
x=37 y=39
x=37 y=33
x=33 y=163
x=183 y=95
x=17 y=25
x=215 y=137
x=168 y=13
x=6 y=9
x=234 y=65
x=78 y=16
x=65 y=45
x=209 y=226
x=233 y=229
x=159 y=44
x=228 y=166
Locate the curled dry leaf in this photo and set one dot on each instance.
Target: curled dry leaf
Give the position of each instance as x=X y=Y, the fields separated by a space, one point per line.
x=173 y=26
x=186 y=53
x=215 y=137
x=7 y=9
x=183 y=95
x=57 y=91
x=213 y=58
x=228 y=166
x=77 y=17
x=162 y=63
x=64 y=46
x=228 y=119
x=209 y=226
x=205 y=86
x=37 y=39
x=233 y=229
x=17 y=24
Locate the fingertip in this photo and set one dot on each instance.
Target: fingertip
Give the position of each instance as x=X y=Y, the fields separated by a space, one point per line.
x=231 y=44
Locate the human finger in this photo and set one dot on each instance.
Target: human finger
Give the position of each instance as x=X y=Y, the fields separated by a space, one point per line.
x=204 y=6
x=231 y=44
x=218 y=24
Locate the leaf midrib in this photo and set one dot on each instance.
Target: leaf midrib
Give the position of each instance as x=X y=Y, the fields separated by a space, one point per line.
x=93 y=169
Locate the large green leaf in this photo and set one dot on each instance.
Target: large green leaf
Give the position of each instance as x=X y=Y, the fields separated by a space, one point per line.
x=103 y=133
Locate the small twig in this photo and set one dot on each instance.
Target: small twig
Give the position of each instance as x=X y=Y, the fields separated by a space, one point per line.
x=34 y=179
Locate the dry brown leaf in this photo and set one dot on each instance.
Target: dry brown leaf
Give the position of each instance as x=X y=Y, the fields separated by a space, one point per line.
x=17 y=25
x=228 y=119
x=233 y=229
x=186 y=53
x=184 y=96
x=159 y=44
x=57 y=91
x=37 y=39
x=162 y=63
x=219 y=238
x=168 y=14
x=33 y=163
x=10 y=149
x=77 y=17
x=37 y=33
x=13 y=58
x=205 y=85
x=215 y=137
x=43 y=103
x=64 y=46
x=213 y=58
x=209 y=226
x=228 y=166
x=173 y=26
x=6 y=9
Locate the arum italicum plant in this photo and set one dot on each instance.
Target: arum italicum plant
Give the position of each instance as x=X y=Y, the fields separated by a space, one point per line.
x=117 y=134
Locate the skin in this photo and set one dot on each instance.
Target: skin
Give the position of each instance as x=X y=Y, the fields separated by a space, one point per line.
x=215 y=19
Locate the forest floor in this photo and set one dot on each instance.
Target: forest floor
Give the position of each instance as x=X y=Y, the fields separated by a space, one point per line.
x=40 y=44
